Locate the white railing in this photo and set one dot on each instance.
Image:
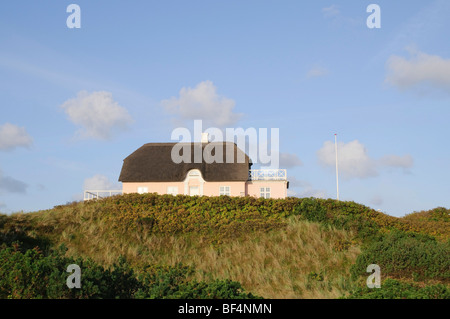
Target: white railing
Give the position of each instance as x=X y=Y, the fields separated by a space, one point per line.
x=97 y=194
x=267 y=175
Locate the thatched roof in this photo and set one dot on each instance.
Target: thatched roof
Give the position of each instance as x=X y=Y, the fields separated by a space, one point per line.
x=153 y=163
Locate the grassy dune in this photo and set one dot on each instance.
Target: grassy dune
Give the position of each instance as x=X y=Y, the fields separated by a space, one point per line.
x=277 y=264
x=292 y=248
x=300 y=260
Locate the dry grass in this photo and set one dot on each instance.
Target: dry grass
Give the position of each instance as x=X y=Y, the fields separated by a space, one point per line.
x=278 y=264
x=302 y=260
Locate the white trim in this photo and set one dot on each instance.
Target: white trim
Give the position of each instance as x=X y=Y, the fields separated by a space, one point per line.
x=265 y=192
x=225 y=190
x=191 y=188
x=172 y=190
x=142 y=189
x=96 y=194
x=198 y=177
x=267 y=175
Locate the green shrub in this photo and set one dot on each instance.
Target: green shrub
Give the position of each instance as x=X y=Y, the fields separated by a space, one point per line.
x=395 y=289
x=217 y=218
x=31 y=275
x=406 y=255
x=312 y=210
x=173 y=283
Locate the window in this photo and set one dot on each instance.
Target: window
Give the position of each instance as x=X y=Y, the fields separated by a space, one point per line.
x=142 y=190
x=172 y=190
x=224 y=190
x=194 y=191
x=194 y=173
x=264 y=192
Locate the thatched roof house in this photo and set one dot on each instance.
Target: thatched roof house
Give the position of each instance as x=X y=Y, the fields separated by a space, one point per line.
x=198 y=169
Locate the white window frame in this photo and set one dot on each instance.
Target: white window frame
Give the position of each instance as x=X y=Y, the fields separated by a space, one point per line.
x=196 y=188
x=225 y=190
x=194 y=172
x=142 y=189
x=264 y=192
x=172 y=190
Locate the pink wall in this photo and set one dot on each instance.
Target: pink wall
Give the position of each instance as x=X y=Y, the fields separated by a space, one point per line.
x=160 y=188
x=278 y=189
x=213 y=188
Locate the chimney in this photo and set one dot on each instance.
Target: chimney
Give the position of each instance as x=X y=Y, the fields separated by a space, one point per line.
x=205 y=138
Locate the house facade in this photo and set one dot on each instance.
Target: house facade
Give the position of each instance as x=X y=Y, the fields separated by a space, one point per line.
x=223 y=169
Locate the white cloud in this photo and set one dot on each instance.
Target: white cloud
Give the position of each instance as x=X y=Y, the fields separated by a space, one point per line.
x=304 y=189
x=421 y=70
x=288 y=160
x=12 y=136
x=100 y=182
x=331 y=11
x=296 y=183
x=355 y=162
x=395 y=161
x=98 y=114
x=338 y=19
x=353 y=159
x=203 y=103
x=311 y=192
x=11 y=185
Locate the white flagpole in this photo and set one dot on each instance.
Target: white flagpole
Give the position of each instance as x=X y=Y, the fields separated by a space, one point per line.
x=337 y=174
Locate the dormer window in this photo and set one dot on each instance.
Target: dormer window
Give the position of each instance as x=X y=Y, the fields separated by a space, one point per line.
x=194 y=172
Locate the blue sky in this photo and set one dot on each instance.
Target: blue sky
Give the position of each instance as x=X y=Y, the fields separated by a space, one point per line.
x=76 y=102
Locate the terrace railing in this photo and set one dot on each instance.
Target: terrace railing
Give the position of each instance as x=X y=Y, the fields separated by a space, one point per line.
x=98 y=194
x=267 y=175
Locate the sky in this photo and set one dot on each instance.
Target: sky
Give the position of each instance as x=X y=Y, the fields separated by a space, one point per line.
x=75 y=101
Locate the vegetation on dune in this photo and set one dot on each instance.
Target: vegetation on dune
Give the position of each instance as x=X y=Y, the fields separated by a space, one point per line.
x=225 y=247
x=396 y=289
x=30 y=274
x=403 y=255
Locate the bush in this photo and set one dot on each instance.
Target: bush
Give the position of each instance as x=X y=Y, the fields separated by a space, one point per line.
x=173 y=283
x=222 y=217
x=395 y=289
x=312 y=210
x=31 y=275
x=216 y=218
x=405 y=255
